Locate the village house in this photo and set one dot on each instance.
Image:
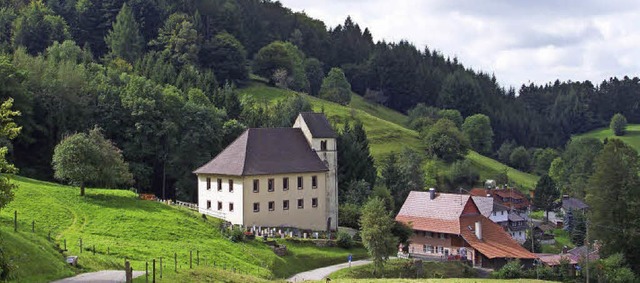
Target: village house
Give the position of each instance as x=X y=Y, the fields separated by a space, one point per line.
x=509 y=197
x=570 y=257
x=573 y=204
x=510 y=220
x=275 y=177
x=452 y=227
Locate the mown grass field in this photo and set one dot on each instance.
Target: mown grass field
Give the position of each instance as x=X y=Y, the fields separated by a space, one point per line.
x=631 y=137
x=398 y=268
x=386 y=129
x=120 y=226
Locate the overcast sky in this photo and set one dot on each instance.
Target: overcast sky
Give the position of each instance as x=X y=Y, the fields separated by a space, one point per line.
x=519 y=41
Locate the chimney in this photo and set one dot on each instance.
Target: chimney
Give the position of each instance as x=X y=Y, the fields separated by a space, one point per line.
x=432 y=193
x=565 y=249
x=488 y=195
x=479 y=230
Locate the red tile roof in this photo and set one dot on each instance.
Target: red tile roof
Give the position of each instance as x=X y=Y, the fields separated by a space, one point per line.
x=503 y=193
x=457 y=214
x=495 y=242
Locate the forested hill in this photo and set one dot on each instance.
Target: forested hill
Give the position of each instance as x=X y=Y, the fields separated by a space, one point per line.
x=153 y=75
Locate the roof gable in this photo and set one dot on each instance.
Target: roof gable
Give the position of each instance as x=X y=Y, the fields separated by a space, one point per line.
x=441 y=214
x=495 y=243
x=318 y=125
x=266 y=151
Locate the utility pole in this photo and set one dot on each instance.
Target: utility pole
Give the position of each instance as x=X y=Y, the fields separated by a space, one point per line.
x=586 y=222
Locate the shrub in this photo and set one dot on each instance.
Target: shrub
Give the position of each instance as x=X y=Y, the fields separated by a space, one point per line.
x=236 y=235
x=618 y=124
x=344 y=240
x=511 y=270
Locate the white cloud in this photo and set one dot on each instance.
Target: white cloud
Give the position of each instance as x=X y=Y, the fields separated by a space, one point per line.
x=519 y=41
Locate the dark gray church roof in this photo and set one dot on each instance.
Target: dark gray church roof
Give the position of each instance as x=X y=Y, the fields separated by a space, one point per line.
x=318 y=125
x=266 y=151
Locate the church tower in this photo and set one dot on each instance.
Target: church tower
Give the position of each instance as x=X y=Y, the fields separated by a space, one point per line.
x=322 y=139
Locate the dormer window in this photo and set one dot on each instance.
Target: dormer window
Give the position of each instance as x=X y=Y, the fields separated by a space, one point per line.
x=323 y=145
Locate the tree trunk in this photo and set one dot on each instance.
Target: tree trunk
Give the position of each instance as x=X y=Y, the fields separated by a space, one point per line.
x=82 y=189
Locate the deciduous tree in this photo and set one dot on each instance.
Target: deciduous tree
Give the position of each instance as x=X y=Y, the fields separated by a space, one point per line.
x=37 y=27
x=546 y=194
x=376 y=226
x=618 y=124
x=335 y=87
x=89 y=158
x=445 y=141
x=8 y=130
x=477 y=129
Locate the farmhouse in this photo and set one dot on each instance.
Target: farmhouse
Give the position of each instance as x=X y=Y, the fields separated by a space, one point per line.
x=451 y=226
x=275 y=177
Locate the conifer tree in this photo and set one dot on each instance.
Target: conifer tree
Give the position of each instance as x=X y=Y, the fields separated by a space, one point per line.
x=124 y=40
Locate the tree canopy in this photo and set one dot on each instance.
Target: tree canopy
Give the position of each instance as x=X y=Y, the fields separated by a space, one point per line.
x=376 y=226
x=618 y=124
x=335 y=87
x=8 y=131
x=477 y=129
x=613 y=196
x=89 y=158
x=546 y=194
x=445 y=141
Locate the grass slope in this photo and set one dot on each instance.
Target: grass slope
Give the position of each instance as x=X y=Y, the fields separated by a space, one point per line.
x=631 y=137
x=450 y=280
x=386 y=129
x=119 y=225
x=398 y=268
x=32 y=257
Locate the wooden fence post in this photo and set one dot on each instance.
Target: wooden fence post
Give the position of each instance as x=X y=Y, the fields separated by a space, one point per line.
x=146 y=271
x=80 y=245
x=160 y=267
x=15 y=221
x=154 y=271
x=65 y=245
x=33 y=226
x=190 y=259
x=94 y=249
x=175 y=261
x=197 y=257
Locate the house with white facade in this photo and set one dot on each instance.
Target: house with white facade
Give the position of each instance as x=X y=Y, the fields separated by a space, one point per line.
x=275 y=177
x=511 y=221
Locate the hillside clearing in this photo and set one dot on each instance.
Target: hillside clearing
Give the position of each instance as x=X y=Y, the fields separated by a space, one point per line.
x=386 y=129
x=118 y=225
x=631 y=137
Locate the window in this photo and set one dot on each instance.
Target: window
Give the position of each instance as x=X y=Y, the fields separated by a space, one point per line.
x=314 y=182
x=285 y=184
x=256 y=206
x=442 y=236
x=272 y=205
x=231 y=185
x=285 y=205
x=323 y=145
x=208 y=204
x=424 y=248
x=256 y=185
x=219 y=185
x=300 y=203
x=314 y=202
x=219 y=205
x=300 y=183
x=231 y=206
x=270 y=185
x=208 y=183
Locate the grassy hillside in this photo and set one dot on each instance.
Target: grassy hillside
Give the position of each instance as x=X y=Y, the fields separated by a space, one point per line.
x=397 y=268
x=32 y=256
x=119 y=225
x=451 y=280
x=632 y=136
x=386 y=129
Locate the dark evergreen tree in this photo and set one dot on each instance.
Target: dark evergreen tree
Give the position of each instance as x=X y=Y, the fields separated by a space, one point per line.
x=124 y=39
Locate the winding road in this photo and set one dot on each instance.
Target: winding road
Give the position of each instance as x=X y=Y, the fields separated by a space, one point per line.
x=105 y=276
x=321 y=273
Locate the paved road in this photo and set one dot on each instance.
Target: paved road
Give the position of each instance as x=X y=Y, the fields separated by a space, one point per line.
x=106 y=276
x=321 y=273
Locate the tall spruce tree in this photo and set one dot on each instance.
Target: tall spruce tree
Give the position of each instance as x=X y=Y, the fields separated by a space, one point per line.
x=124 y=40
x=355 y=162
x=613 y=195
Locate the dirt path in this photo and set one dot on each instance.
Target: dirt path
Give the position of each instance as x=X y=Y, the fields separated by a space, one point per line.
x=321 y=273
x=105 y=276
